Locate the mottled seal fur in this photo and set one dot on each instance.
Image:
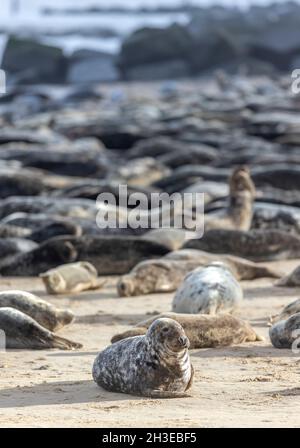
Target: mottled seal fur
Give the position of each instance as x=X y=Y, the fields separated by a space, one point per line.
x=257 y=245
x=43 y=312
x=110 y=255
x=293 y=279
x=154 y=365
x=285 y=332
x=71 y=278
x=54 y=229
x=167 y=273
x=23 y=332
x=203 y=331
x=208 y=290
x=287 y=311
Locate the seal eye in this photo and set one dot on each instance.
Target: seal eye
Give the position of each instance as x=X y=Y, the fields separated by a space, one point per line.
x=165 y=330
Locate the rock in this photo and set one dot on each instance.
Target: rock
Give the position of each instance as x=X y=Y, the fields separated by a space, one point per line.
x=30 y=62
x=88 y=66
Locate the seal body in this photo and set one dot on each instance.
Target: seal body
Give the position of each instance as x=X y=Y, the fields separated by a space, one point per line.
x=202 y=330
x=289 y=310
x=167 y=273
x=156 y=364
x=293 y=279
x=285 y=332
x=257 y=245
x=43 y=312
x=71 y=278
x=23 y=332
x=208 y=290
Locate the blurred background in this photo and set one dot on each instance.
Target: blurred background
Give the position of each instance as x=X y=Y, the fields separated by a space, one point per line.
x=92 y=41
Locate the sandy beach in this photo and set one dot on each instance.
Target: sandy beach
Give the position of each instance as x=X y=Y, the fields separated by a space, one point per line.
x=250 y=385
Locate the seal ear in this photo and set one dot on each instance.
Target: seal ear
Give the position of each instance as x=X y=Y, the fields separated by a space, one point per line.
x=68 y=252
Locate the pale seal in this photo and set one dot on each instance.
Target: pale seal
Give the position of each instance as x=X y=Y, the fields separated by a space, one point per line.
x=208 y=290
x=285 y=332
x=43 y=312
x=170 y=237
x=23 y=332
x=202 y=330
x=238 y=214
x=154 y=365
x=71 y=278
x=167 y=273
x=293 y=279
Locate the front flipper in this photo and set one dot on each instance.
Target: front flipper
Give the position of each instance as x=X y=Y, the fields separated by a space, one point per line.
x=165 y=394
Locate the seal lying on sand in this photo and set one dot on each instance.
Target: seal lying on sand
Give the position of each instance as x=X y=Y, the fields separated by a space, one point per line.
x=71 y=278
x=289 y=310
x=285 y=332
x=172 y=238
x=293 y=279
x=239 y=213
x=43 y=312
x=168 y=272
x=23 y=332
x=203 y=331
x=208 y=290
x=154 y=365
x=257 y=245
x=109 y=255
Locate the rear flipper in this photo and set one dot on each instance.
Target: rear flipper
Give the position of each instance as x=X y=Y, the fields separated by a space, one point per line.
x=136 y=331
x=63 y=343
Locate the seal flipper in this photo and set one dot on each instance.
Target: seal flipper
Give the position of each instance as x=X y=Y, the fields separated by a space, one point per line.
x=165 y=394
x=64 y=344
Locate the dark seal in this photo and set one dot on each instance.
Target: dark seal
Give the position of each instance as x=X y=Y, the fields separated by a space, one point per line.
x=155 y=365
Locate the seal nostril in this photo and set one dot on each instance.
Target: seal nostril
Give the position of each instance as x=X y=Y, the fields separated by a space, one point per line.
x=182 y=340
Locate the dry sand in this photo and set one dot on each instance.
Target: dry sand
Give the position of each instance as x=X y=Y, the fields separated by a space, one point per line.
x=243 y=386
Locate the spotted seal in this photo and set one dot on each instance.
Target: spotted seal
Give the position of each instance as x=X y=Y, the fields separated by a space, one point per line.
x=71 y=278
x=154 y=365
x=285 y=332
x=43 y=312
x=208 y=290
x=203 y=330
x=167 y=273
x=257 y=245
x=23 y=332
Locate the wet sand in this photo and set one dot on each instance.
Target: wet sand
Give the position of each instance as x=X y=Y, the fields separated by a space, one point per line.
x=250 y=385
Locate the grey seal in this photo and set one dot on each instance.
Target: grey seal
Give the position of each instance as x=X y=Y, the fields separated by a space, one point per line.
x=293 y=279
x=257 y=245
x=23 y=332
x=202 y=330
x=287 y=311
x=71 y=278
x=43 y=312
x=285 y=332
x=167 y=273
x=154 y=365
x=208 y=290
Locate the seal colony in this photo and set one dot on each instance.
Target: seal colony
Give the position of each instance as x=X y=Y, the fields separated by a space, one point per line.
x=55 y=163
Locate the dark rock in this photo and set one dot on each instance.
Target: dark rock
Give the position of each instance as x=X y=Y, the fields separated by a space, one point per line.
x=30 y=62
x=88 y=66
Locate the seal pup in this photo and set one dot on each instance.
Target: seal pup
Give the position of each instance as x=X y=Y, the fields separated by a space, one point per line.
x=239 y=213
x=71 y=278
x=293 y=279
x=167 y=273
x=154 y=365
x=202 y=330
x=285 y=332
x=257 y=245
x=287 y=311
x=23 y=332
x=208 y=290
x=43 y=312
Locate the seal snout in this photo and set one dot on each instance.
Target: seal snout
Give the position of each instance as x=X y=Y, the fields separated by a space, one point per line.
x=184 y=341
